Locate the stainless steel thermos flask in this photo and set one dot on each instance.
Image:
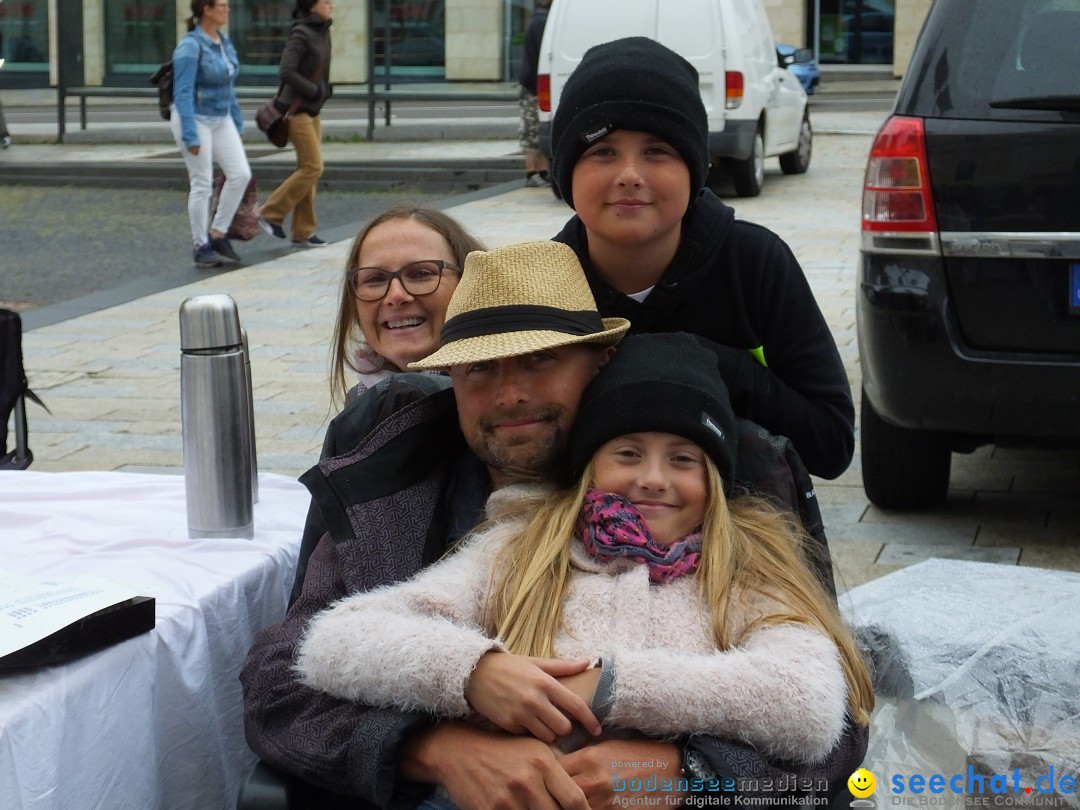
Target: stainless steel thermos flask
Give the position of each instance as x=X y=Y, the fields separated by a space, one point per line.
x=250 y=417
x=215 y=413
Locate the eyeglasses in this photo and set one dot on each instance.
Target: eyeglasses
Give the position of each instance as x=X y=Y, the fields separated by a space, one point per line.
x=418 y=278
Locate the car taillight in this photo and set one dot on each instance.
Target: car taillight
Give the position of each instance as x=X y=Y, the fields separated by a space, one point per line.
x=733 y=89
x=543 y=92
x=896 y=190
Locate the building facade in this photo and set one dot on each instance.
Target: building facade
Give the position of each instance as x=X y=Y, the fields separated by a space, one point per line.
x=120 y=42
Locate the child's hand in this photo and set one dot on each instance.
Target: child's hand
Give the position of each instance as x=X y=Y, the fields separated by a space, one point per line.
x=521 y=694
x=583 y=684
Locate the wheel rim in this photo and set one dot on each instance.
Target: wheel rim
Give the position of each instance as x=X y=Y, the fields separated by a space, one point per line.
x=759 y=160
x=805 y=140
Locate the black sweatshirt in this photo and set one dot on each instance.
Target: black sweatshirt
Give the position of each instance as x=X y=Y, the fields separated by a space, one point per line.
x=738 y=286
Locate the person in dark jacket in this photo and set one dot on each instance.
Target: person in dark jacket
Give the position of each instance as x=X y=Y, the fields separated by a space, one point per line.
x=405 y=472
x=536 y=164
x=304 y=71
x=630 y=155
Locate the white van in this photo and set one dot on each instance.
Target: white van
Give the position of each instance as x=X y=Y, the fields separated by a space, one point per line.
x=756 y=108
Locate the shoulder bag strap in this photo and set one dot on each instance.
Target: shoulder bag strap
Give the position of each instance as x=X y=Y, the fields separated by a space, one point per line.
x=296 y=101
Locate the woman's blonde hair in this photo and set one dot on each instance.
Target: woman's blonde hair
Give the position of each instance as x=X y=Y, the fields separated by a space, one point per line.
x=748 y=546
x=348 y=336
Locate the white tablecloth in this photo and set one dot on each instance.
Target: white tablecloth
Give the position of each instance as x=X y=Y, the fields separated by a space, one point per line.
x=156 y=721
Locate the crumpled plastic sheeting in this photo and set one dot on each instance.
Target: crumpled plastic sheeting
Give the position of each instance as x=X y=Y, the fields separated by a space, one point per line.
x=976 y=664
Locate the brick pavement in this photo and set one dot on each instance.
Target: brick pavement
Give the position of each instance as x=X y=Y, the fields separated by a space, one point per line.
x=111 y=377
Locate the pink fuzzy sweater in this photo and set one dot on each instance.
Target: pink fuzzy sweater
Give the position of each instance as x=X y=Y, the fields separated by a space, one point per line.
x=413 y=646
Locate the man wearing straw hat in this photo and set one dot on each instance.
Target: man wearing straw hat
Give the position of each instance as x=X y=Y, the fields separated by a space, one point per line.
x=404 y=475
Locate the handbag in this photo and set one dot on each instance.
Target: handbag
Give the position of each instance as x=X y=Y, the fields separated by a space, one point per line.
x=273 y=121
x=245 y=223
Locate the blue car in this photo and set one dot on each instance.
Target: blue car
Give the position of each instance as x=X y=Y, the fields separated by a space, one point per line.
x=802 y=63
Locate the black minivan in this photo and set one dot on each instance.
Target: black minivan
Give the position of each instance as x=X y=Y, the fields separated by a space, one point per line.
x=969 y=291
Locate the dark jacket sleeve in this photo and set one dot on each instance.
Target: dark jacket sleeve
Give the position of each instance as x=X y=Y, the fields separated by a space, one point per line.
x=802 y=391
x=340 y=746
x=530 y=52
x=741 y=770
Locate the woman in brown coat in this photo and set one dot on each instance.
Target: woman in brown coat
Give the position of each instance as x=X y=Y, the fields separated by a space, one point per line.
x=305 y=68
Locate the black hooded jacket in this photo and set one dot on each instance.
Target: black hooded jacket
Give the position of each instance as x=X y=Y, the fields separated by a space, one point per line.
x=739 y=287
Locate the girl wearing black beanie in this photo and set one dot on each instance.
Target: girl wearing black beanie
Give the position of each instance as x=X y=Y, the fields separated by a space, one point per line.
x=630 y=146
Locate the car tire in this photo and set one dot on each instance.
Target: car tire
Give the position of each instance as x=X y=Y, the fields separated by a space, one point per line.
x=902 y=468
x=798 y=161
x=749 y=174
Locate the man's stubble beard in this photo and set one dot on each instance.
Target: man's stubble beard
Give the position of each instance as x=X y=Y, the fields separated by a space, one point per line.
x=532 y=460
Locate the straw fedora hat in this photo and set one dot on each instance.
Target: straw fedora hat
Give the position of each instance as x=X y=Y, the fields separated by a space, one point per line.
x=520 y=299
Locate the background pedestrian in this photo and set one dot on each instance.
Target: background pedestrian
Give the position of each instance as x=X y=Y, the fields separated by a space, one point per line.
x=206 y=123
x=536 y=165
x=304 y=71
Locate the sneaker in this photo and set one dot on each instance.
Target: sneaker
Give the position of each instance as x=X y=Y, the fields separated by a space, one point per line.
x=5 y=142
x=537 y=181
x=310 y=242
x=224 y=250
x=271 y=228
x=205 y=257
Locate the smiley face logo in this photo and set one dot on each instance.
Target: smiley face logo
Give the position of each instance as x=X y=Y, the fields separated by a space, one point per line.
x=862 y=783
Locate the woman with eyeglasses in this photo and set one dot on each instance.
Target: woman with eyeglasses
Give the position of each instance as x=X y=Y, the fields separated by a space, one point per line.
x=400 y=273
x=206 y=123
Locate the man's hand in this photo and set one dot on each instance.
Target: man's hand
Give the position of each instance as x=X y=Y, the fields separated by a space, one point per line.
x=523 y=695
x=489 y=770
x=595 y=767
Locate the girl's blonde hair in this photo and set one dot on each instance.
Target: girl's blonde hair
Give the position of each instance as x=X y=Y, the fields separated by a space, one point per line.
x=748 y=546
x=348 y=336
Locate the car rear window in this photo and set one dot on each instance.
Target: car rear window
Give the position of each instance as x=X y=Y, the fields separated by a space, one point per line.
x=998 y=59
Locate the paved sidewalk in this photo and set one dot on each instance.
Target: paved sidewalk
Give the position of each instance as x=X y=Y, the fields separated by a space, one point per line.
x=112 y=377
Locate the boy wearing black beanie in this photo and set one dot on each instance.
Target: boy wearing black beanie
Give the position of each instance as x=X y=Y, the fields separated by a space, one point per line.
x=630 y=155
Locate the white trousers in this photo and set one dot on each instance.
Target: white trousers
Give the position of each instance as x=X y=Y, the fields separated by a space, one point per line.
x=218 y=143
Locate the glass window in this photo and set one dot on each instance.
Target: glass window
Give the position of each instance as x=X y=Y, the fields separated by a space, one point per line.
x=410 y=38
x=258 y=29
x=1010 y=60
x=24 y=35
x=518 y=15
x=857 y=32
x=139 y=36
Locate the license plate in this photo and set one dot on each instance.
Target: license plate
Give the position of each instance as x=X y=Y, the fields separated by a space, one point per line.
x=1074 y=289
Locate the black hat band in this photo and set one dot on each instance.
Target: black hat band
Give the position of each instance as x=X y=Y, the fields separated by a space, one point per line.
x=520 y=318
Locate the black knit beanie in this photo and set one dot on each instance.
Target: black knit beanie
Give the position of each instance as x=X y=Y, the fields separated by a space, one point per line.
x=659 y=382
x=637 y=84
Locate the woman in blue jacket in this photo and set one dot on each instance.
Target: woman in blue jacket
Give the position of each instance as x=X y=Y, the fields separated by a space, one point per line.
x=206 y=124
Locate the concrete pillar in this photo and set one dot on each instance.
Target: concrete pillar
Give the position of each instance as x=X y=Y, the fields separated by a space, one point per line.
x=349 y=38
x=910 y=15
x=788 y=21
x=54 y=68
x=474 y=40
x=93 y=41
